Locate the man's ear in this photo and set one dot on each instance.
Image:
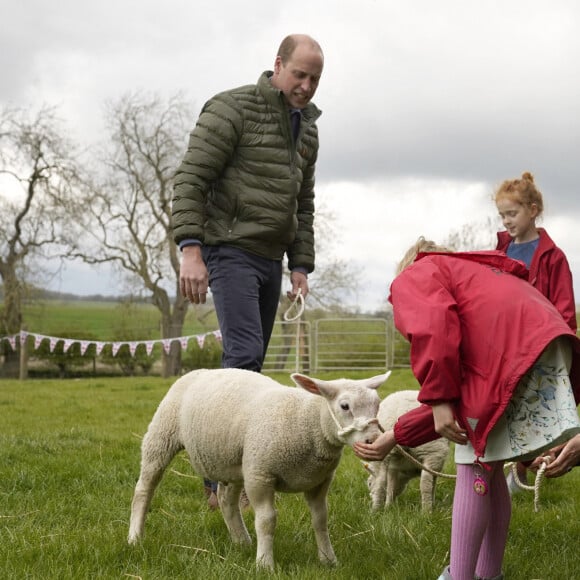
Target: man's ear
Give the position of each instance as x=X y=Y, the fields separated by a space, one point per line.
x=277 y=64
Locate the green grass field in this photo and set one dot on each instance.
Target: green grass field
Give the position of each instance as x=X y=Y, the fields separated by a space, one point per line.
x=101 y=320
x=69 y=460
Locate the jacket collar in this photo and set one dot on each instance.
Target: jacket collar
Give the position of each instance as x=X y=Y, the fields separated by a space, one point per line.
x=276 y=98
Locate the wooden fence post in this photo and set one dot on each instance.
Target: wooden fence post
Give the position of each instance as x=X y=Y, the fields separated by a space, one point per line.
x=23 y=356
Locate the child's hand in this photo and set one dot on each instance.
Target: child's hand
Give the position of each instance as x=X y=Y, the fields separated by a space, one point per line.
x=377 y=450
x=446 y=425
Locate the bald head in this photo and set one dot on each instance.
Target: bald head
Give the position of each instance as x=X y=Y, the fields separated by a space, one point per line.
x=289 y=44
x=297 y=69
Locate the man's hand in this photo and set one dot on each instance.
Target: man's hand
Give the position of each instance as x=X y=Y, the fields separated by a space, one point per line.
x=299 y=282
x=377 y=450
x=446 y=425
x=193 y=277
x=565 y=457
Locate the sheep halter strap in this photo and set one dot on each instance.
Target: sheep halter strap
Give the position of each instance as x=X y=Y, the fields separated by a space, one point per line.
x=357 y=425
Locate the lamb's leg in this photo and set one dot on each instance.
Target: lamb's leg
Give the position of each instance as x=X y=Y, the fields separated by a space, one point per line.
x=158 y=449
x=396 y=483
x=316 y=499
x=378 y=486
x=229 y=499
x=427 y=487
x=261 y=496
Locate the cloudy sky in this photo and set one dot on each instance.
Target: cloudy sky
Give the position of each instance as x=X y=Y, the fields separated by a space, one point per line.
x=427 y=106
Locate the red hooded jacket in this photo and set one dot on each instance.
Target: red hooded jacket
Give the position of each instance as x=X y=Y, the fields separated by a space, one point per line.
x=550 y=274
x=475 y=326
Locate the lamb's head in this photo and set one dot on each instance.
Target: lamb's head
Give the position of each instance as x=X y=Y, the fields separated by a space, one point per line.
x=353 y=405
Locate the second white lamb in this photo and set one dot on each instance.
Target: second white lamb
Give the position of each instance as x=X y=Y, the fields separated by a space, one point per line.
x=389 y=477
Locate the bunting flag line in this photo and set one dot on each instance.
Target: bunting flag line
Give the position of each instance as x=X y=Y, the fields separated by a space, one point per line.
x=166 y=343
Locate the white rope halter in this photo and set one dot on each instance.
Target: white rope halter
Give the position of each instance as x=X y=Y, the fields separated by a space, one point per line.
x=356 y=425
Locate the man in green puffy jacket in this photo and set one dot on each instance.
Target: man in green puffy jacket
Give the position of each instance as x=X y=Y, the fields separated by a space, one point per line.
x=244 y=197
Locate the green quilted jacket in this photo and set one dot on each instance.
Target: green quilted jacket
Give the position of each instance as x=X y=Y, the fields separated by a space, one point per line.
x=243 y=182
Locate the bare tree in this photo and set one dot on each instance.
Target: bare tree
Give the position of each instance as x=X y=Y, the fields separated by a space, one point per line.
x=127 y=214
x=479 y=235
x=37 y=174
x=334 y=279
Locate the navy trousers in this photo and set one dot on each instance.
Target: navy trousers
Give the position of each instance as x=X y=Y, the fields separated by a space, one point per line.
x=246 y=292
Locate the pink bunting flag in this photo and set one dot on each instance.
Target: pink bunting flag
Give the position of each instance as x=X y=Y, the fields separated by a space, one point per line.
x=68 y=342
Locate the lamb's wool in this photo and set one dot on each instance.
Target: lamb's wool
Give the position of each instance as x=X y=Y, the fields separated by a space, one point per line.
x=244 y=429
x=388 y=478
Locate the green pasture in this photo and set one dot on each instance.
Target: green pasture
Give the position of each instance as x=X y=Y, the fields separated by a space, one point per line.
x=105 y=320
x=69 y=460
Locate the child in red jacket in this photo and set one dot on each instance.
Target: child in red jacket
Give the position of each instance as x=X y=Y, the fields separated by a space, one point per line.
x=498 y=368
x=519 y=203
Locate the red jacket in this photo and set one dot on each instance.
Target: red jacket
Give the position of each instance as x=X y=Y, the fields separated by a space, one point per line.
x=475 y=326
x=550 y=274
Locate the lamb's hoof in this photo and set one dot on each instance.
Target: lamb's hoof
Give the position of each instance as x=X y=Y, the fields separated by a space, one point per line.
x=242 y=540
x=266 y=564
x=133 y=540
x=329 y=563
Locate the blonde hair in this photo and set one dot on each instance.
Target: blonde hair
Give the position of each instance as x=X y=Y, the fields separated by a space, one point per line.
x=522 y=191
x=421 y=245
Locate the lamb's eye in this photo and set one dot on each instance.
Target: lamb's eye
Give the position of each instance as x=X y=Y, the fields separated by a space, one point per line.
x=344 y=406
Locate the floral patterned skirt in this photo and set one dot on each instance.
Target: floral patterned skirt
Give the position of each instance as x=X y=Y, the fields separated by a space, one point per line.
x=541 y=414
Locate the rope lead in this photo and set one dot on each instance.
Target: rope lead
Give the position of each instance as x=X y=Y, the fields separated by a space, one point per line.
x=538 y=481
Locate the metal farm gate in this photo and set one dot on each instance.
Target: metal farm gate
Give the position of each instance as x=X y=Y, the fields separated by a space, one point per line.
x=333 y=344
x=352 y=344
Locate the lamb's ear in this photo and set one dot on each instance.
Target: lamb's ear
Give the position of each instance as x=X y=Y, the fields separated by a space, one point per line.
x=376 y=382
x=326 y=389
x=307 y=383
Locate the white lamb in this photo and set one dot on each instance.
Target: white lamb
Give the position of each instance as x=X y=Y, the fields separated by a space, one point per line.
x=389 y=477
x=245 y=430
